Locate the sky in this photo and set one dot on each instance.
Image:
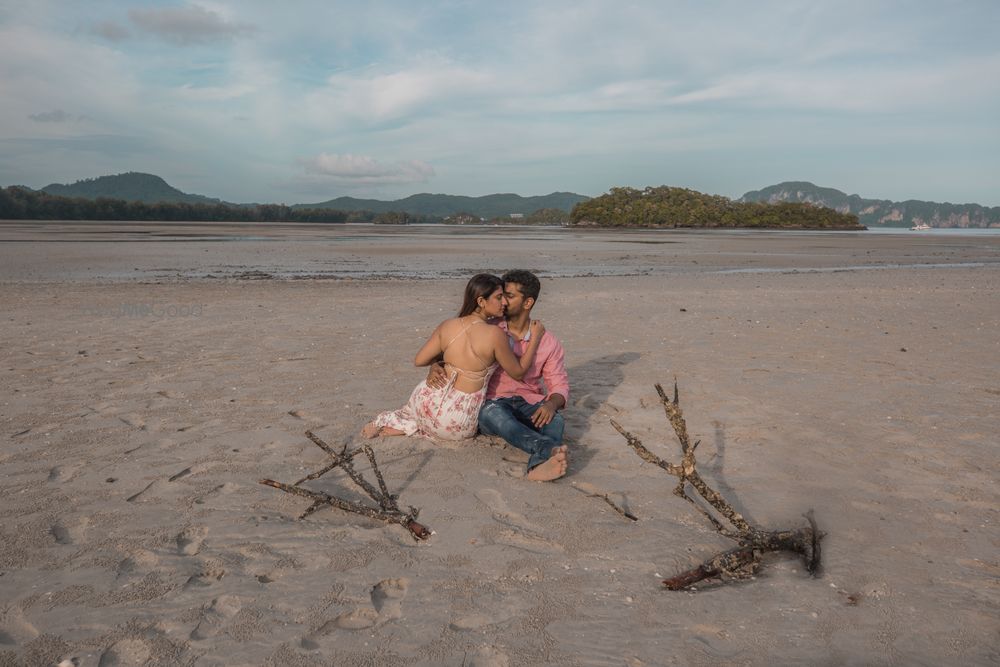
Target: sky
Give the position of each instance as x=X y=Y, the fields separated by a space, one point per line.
x=303 y=101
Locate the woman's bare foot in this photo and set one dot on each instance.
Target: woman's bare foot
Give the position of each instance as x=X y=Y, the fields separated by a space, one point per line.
x=552 y=469
x=372 y=431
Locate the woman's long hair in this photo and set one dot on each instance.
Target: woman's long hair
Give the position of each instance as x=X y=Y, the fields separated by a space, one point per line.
x=480 y=285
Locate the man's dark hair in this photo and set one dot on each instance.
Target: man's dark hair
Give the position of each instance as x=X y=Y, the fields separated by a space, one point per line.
x=527 y=280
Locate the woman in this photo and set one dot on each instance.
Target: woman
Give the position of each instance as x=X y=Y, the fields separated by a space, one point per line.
x=472 y=349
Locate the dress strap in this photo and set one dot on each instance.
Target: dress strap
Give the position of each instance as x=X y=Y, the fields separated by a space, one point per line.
x=455 y=337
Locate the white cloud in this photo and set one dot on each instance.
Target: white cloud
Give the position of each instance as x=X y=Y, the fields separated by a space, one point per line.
x=393 y=93
x=365 y=170
x=187 y=25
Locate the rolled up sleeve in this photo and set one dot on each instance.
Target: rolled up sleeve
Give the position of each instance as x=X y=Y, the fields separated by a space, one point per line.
x=554 y=371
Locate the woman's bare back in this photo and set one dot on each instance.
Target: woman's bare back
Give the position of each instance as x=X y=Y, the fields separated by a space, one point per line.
x=469 y=347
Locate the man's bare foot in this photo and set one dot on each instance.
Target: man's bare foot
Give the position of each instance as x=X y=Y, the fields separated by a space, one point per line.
x=552 y=469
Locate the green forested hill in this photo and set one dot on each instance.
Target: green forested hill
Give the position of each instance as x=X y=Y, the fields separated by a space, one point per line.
x=666 y=206
x=130 y=186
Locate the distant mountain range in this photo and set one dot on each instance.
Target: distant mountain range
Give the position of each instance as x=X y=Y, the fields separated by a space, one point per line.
x=881 y=212
x=131 y=186
x=488 y=206
x=135 y=186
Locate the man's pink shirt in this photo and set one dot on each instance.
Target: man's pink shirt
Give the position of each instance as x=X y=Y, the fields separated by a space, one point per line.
x=548 y=368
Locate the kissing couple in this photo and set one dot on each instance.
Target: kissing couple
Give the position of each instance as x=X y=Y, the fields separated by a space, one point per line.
x=495 y=370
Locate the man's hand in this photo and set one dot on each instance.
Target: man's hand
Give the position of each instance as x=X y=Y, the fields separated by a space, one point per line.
x=544 y=414
x=437 y=377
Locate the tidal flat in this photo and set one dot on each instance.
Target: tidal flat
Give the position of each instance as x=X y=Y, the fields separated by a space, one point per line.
x=152 y=373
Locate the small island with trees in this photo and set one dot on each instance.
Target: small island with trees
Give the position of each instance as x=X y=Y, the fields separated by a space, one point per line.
x=669 y=207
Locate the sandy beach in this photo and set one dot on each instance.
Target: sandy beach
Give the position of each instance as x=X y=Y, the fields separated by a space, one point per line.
x=152 y=374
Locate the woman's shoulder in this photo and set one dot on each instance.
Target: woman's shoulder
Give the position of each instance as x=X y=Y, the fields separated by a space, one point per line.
x=452 y=326
x=488 y=331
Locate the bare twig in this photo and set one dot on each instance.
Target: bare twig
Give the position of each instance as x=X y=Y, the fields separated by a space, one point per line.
x=621 y=510
x=322 y=445
x=644 y=453
x=606 y=498
x=385 y=498
x=337 y=460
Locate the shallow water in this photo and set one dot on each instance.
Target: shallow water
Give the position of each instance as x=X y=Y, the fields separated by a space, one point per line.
x=48 y=251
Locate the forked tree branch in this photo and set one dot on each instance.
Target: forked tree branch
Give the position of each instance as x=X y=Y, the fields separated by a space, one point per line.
x=388 y=509
x=744 y=559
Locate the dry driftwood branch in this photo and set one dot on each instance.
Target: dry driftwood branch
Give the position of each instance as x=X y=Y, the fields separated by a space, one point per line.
x=388 y=509
x=753 y=541
x=337 y=460
x=606 y=498
x=621 y=510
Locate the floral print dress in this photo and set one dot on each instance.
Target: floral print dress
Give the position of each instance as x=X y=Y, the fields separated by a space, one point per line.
x=444 y=414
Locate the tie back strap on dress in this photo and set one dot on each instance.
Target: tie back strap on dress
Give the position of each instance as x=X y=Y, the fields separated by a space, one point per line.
x=481 y=375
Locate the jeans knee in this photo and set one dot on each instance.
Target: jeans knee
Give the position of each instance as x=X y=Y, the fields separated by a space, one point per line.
x=554 y=429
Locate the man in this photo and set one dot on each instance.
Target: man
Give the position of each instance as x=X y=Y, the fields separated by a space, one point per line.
x=524 y=412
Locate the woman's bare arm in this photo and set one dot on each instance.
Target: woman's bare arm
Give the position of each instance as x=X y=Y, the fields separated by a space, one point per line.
x=431 y=350
x=508 y=361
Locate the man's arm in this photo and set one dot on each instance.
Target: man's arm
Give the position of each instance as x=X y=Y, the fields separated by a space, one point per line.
x=556 y=383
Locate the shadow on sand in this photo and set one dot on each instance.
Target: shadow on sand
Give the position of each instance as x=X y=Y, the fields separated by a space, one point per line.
x=591 y=384
x=717 y=478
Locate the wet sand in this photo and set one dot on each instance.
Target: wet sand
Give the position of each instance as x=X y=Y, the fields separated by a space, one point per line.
x=147 y=385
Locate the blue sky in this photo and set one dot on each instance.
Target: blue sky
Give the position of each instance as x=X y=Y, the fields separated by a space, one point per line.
x=303 y=101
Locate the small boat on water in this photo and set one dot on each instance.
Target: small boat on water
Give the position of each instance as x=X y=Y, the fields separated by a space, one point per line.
x=919 y=227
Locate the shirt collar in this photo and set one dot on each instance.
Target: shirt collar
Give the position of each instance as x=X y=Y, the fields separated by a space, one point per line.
x=527 y=334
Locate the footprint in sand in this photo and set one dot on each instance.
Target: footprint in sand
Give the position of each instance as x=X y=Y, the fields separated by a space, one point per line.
x=354 y=620
x=502 y=513
x=71 y=531
x=530 y=543
x=517 y=530
x=387 y=597
x=209 y=574
x=15 y=628
x=387 y=600
x=140 y=561
x=61 y=474
x=487 y=656
x=125 y=653
x=189 y=541
x=215 y=616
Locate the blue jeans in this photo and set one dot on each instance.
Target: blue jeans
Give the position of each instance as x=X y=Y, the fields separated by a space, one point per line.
x=510 y=418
